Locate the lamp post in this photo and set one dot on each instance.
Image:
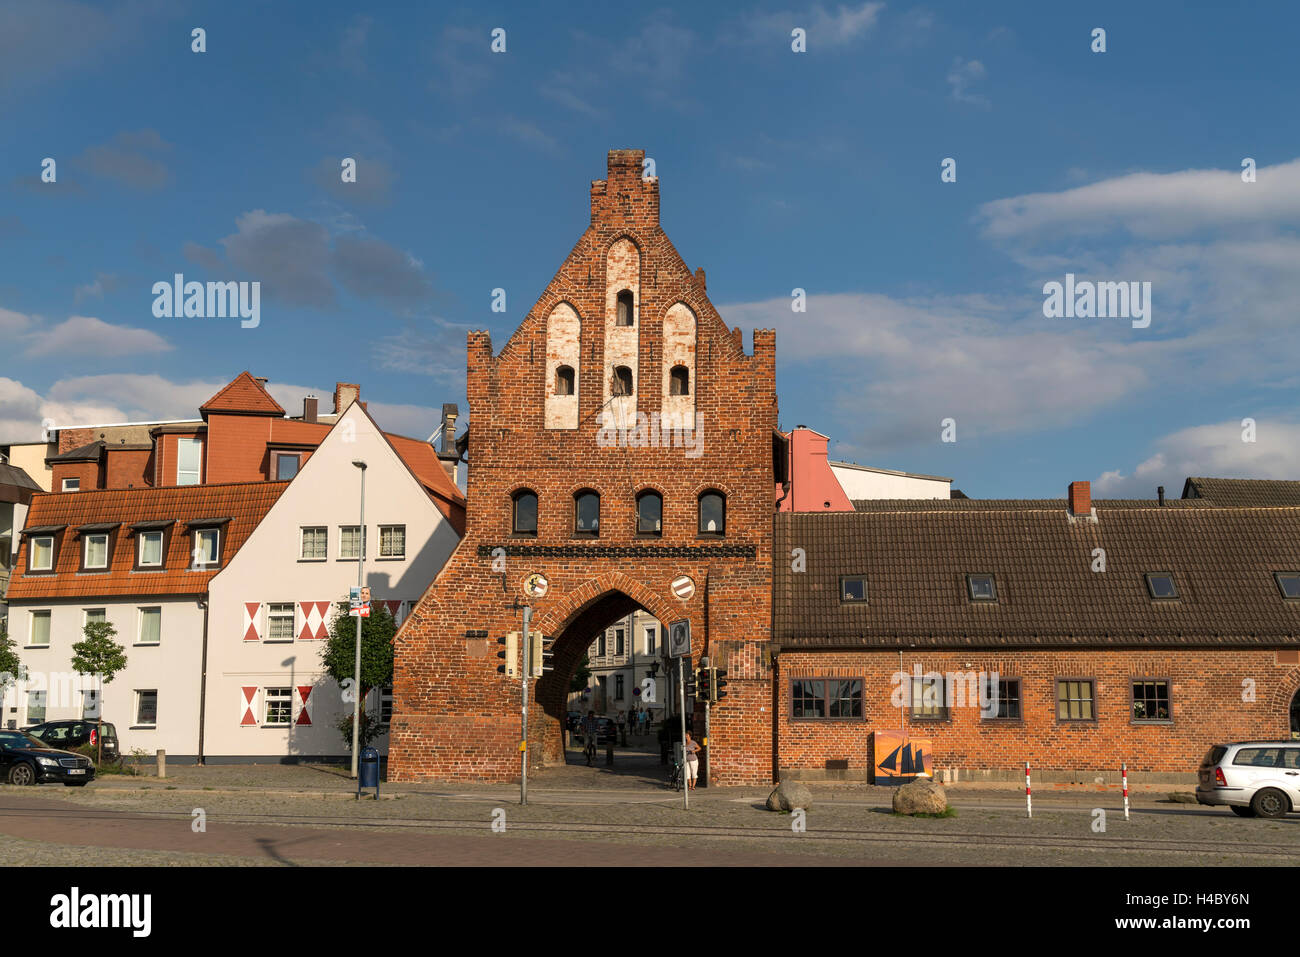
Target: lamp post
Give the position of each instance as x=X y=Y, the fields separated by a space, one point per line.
x=356 y=674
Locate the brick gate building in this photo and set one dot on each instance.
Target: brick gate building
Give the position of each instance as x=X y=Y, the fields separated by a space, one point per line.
x=621 y=440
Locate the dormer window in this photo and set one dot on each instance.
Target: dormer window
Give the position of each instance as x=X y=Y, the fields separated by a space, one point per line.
x=853 y=589
x=40 y=553
x=94 y=556
x=981 y=587
x=623 y=314
x=1160 y=585
x=679 y=382
x=622 y=384
x=564 y=380
x=72 y=485
x=286 y=465
x=1289 y=584
x=207 y=547
x=150 y=549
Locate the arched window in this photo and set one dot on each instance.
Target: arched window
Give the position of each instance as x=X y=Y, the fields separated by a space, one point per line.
x=622 y=384
x=680 y=381
x=586 y=513
x=713 y=513
x=524 y=507
x=623 y=316
x=564 y=380
x=649 y=513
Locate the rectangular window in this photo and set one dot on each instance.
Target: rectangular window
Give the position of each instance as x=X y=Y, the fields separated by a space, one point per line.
x=189 y=459
x=853 y=589
x=618 y=642
x=1074 y=700
x=928 y=703
x=207 y=546
x=279 y=621
x=96 y=551
x=844 y=698
x=72 y=485
x=1289 y=584
x=286 y=466
x=151 y=545
x=314 y=545
x=650 y=636
x=351 y=541
x=807 y=698
x=392 y=541
x=279 y=706
x=1001 y=699
x=618 y=687
x=600 y=647
x=1151 y=700
x=94 y=615
x=150 y=626
x=40 y=553
x=39 y=636
x=386 y=704
x=982 y=587
x=146 y=709
x=1161 y=585
x=1258 y=757
x=36 y=707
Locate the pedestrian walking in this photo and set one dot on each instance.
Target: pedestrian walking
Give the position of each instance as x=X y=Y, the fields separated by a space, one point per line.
x=690 y=750
x=589 y=737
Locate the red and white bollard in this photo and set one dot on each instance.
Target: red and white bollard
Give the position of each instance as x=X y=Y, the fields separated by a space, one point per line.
x=1123 y=771
x=1029 y=793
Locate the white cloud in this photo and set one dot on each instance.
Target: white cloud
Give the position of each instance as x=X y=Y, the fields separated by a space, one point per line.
x=1151 y=205
x=1215 y=450
x=86 y=335
x=964 y=74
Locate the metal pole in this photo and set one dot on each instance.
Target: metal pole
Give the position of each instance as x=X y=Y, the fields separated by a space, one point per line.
x=356 y=674
x=1123 y=770
x=681 y=690
x=1029 y=794
x=704 y=762
x=523 y=736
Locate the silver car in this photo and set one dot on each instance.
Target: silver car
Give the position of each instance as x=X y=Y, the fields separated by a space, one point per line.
x=1254 y=778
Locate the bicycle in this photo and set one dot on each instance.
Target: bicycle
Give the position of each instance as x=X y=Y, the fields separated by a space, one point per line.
x=590 y=749
x=677 y=776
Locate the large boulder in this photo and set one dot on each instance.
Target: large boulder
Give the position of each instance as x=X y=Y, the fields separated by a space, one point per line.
x=922 y=796
x=788 y=796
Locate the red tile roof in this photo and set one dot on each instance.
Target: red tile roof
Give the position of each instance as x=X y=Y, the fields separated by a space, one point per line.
x=244 y=395
x=244 y=504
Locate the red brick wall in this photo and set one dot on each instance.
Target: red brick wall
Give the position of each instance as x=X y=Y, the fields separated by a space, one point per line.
x=235 y=449
x=455 y=717
x=88 y=472
x=1206 y=700
x=167 y=453
x=129 y=468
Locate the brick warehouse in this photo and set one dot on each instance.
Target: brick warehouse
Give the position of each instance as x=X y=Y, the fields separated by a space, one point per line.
x=1189 y=634
x=624 y=330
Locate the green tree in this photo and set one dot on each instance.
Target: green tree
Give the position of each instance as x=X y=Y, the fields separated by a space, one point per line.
x=338 y=656
x=579 y=680
x=11 y=668
x=99 y=654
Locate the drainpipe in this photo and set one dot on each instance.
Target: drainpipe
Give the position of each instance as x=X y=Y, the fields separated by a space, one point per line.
x=203 y=679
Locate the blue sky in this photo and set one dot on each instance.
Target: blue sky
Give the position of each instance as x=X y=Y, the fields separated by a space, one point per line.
x=818 y=170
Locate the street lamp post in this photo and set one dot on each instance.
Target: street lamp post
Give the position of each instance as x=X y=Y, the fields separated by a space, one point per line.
x=356 y=674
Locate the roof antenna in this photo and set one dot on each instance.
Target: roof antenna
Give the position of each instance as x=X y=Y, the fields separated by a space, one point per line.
x=1160 y=494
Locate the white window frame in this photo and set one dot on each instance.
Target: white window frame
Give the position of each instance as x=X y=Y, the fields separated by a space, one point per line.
x=269 y=695
x=139 y=698
x=197 y=472
x=48 y=615
x=198 y=536
x=351 y=558
x=141 y=539
x=85 y=551
x=85 y=615
x=302 y=543
x=293 y=622
x=75 y=485
x=139 y=628
x=382 y=529
x=31 y=554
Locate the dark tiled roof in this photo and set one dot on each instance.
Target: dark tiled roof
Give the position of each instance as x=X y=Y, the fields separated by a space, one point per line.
x=83 y=453
x=916 y=558
x=245 y=503
x=12 y=477
x=1247 y=493
x=1001 y=504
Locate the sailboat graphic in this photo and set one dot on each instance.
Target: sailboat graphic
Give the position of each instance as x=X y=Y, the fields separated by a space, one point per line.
x=906 y=760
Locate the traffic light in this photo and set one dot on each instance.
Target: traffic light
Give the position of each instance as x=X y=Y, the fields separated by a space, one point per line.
x=540 y=654
x=510 y=666
x=690 y=684
x=719 y=683
x=704 y=685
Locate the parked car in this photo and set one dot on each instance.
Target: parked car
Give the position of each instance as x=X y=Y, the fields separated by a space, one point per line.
x=73 y=734
x=606 y=732
x=574 y=720
x=1253 y=778
x=25 y=759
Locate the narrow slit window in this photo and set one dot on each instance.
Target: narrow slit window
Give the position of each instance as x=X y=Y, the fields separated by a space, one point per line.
x=680 y=381
x=564 y=380
x=622 y=384
x=624 y=311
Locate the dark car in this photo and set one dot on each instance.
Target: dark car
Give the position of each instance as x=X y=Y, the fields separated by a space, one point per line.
x=606 y=732
x=25 y=759
x=574 y=720
x=73 y=734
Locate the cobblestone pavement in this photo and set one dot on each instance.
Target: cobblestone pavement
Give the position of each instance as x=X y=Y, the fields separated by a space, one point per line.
x=300 y=814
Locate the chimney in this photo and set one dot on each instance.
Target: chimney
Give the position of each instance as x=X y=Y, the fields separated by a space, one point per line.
x=1080 y=498
x=345 y=393
x=448 y=454
x=1160 y=494
x=260 y=380
x=309 y=405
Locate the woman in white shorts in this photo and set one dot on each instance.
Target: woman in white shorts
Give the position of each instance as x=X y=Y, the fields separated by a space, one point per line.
x=691 y=750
